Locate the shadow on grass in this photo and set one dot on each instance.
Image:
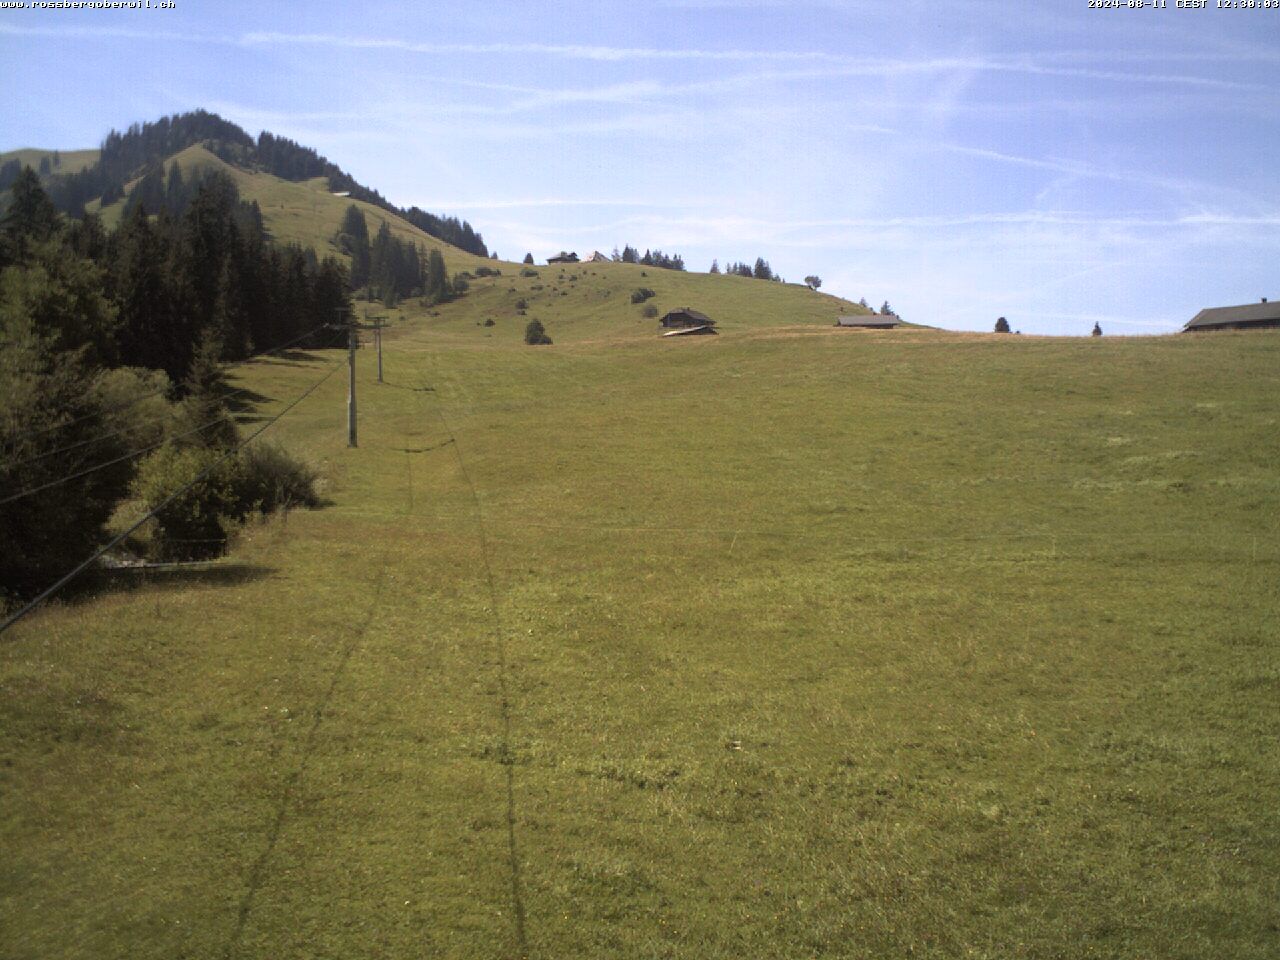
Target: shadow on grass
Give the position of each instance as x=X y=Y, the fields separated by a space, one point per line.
x=287 y=358
x=245 y=399
x=217 y=573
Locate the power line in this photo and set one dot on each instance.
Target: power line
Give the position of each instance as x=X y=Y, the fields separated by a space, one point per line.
x=155 y=510
x=104 y=436
x=138 y=399
x=103 y=466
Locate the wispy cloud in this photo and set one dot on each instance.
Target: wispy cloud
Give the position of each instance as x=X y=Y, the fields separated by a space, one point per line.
x=571 y=51
x=554 y=202
x=841 y=65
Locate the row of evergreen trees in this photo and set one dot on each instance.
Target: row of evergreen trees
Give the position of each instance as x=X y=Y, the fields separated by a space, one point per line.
x=144 y=147
x=166 y=283
x=110 y=347
x=650 y=258
x=760 y=271
x=390 y=269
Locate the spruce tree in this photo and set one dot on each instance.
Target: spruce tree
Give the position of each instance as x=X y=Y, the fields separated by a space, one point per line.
x=436 y=284
x=353 y=239
x=30 y=218
x=175 y=191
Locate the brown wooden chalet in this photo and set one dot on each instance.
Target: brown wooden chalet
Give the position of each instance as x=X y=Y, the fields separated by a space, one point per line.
x=685 y=317
x=563 y=257
x=1249 y=316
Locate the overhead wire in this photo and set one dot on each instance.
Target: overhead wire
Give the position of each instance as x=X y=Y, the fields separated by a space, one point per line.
x=102 y=466
x=153 y=393
x=118 y=538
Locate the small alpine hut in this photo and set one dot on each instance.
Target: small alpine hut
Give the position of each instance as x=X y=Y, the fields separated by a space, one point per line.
x=563 y=257
x=873 y=321
x=1249 y=316
x=684 y=321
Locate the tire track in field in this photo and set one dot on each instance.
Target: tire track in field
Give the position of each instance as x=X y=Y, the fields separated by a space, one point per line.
x=258 y=872
x=500 y=644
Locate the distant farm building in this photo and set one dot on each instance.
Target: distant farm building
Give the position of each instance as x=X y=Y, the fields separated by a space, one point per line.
x=1249 y=316
x=596 y=257
x=563 y=257
x=684 y=318
x=873 y=321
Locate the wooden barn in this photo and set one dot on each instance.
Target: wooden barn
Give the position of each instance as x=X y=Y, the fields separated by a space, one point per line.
x=563 y=257
x=873 y=321
x=685 y=317
x=1248 y=316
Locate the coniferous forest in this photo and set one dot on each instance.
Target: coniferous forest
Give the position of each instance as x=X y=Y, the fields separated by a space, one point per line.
x=111 y=345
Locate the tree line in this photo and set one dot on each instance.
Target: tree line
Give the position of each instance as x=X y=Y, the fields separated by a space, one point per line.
x=650 y=258
x=759 y=271
x=110 y=345
x=390 y=269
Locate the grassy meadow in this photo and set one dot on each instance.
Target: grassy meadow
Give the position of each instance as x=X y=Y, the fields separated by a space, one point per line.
x=791 y=642
x=72 y=161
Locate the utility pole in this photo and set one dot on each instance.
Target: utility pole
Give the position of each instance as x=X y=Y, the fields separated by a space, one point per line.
x=353 y=340
x=376 y=327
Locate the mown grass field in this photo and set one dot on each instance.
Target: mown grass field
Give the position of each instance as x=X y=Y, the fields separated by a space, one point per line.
x=791 y=642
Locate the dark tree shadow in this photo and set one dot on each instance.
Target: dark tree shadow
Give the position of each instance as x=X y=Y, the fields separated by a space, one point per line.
x=214 y=573
x=245 y=399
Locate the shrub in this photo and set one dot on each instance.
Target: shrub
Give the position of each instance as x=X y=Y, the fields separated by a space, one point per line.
x=528 y=272
x=522 y=304
x=53 y=424
x=488 y=272
x=270 y=478
x=262 y=478
x=535 y=333
x=489 y=322
x=649 y=311
x=195 y=524
x=641 y=294
x=460 y=284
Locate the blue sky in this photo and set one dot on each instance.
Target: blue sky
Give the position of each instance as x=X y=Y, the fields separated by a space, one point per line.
x=963 y=159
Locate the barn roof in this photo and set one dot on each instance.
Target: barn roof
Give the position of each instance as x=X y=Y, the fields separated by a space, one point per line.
x=1245 y=313
x=685 y=331
x=858 y=320
x=691 y=314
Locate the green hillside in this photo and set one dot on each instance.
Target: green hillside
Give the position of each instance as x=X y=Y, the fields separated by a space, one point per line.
x=794 y=641
x=789 y=642
x=577 y=300
x=306 y=213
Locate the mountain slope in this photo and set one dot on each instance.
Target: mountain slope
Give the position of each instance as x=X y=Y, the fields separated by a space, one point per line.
x=304 y=212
